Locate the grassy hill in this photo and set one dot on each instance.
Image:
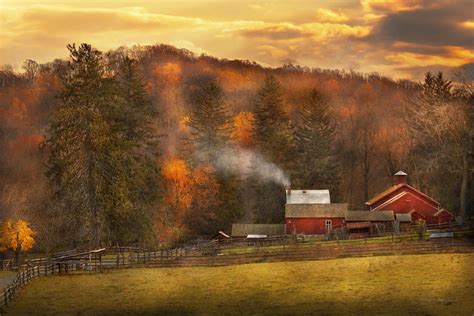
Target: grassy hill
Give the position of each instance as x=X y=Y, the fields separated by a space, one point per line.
x=420 y=284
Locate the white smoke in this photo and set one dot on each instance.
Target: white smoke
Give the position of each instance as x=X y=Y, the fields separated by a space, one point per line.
x=244 y=162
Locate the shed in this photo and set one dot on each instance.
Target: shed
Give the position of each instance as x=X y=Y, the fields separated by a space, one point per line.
x=220 y=235
x=244 y=230
x=361 y=224
x=444 y=216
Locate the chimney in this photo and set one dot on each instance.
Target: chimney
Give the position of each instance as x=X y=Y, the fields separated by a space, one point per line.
x=400 y=177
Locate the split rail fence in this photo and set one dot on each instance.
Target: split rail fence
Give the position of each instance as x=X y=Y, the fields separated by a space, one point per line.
x=219 y=253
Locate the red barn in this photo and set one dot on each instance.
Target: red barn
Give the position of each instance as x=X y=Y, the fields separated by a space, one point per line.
x=403 y=198
x=310 y=212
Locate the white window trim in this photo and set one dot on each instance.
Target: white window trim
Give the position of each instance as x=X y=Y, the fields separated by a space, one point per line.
x=328 y=224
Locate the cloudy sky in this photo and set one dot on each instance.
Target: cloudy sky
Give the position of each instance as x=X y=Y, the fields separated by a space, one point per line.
x=395 y=38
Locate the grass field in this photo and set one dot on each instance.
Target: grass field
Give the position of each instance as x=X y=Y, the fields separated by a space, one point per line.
x=441 y=284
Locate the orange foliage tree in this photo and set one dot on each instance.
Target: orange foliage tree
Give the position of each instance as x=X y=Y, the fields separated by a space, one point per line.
x=177 y=199
x=17 y=236
x=190 y=201
x=203 y=216
x=242 y=134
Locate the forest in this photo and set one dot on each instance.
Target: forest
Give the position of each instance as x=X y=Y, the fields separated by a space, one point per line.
x=147 y=145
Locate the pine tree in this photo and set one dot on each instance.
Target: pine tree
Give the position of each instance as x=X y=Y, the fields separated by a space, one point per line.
x=102 y=150
x=272 y=129
x=211 y=128
x=78 y=142
x=317 y=166
x=273 y=135
x=436 y=89
x=210 y=122
x=135 y=184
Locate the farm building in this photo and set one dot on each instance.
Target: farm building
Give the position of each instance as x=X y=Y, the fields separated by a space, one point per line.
x=263 y=230
x=402 y=198
x=311 y=212
x=364 y=224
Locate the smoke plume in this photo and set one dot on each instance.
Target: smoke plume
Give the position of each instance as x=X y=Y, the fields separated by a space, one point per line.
x=244 y=162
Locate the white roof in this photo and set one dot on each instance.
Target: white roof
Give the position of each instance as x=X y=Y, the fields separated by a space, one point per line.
x=307 y=197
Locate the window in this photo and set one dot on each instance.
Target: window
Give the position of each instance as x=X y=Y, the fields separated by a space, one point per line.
x=328 y=224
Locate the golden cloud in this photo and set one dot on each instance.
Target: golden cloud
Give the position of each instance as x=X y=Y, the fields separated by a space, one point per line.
x=382 y=6
x=458 y=56
x=369 y=36
x=330 y=16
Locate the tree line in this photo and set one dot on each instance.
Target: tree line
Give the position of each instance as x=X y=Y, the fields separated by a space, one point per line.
x=141 y=153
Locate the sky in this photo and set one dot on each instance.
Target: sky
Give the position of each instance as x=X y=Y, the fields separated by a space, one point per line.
x=399 y=39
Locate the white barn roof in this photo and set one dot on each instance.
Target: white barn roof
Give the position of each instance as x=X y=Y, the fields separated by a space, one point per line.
x=307 y=197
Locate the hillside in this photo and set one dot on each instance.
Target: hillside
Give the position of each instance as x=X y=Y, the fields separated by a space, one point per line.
x=369 y=112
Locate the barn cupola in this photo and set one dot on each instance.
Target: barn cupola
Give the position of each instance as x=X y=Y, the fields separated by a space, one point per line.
x=400 y=177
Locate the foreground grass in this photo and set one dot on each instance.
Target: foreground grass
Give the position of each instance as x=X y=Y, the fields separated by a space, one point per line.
x=441 y=284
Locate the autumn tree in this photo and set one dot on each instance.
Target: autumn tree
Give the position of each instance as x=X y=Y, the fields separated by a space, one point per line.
x=177 y=198
x=242 y=134
x=203 y=218
x=17 y=236
x=440 y=130
x=317 y=167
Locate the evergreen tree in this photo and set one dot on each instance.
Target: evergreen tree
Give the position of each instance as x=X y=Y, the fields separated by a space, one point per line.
x=78 y=141
x=436 y=89
x=135 y=185
x=273 y=135
x=317 y=166
x=102 y=150
x=272 y=129
x=209 y=122
x=211 y=130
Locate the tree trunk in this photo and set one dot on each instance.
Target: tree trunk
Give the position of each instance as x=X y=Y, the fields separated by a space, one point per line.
x=463 y=194
x=17 y=257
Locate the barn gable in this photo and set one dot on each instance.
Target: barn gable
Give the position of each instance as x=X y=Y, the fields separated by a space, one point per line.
x=395 y=191
x=403 y=198
x=308 y=197
x=405 y=195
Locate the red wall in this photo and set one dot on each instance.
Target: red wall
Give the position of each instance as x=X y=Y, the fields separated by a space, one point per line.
x=311 y=226
x=408 y=190
x=412 y=201
x=445 y=217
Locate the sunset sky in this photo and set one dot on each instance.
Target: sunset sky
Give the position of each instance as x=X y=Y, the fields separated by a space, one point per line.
x=395 y=38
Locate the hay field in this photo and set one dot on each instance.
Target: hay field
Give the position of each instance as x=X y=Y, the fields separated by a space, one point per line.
x=439 y=284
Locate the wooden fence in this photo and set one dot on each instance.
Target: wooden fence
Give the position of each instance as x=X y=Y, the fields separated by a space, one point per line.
x=222 y=253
